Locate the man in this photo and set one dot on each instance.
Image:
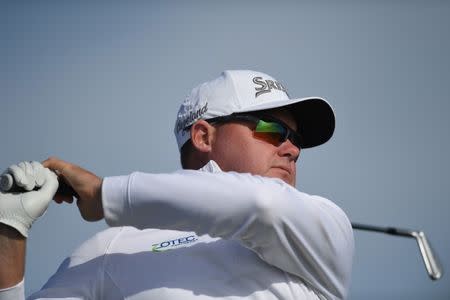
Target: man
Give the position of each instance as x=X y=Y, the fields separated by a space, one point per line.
x=230 y=225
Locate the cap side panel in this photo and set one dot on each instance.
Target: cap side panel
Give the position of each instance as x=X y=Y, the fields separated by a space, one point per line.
x=235 y=90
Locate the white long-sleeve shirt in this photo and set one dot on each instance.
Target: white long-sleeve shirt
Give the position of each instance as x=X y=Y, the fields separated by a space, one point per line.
x=209 y=235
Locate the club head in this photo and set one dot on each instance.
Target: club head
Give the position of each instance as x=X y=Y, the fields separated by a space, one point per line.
x=430 y=259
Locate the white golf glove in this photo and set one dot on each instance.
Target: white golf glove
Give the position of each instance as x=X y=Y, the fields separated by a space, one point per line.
x=20 y=210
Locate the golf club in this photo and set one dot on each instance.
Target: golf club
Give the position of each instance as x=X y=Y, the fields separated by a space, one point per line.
x=7 y=184
x=432 y=265
x=430 y=259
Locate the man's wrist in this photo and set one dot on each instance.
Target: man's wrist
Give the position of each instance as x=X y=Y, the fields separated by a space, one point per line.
x=10 y=232
x=100 y=200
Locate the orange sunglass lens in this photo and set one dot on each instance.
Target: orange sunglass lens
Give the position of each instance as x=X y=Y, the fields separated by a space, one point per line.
x=271 y=137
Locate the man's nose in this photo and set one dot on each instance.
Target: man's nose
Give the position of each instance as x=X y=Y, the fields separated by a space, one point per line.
x=290 y=150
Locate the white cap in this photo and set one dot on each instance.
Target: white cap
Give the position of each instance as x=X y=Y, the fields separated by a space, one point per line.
x=239 y=91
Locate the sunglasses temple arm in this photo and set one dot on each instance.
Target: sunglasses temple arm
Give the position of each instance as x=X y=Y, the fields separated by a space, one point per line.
x=430 y=259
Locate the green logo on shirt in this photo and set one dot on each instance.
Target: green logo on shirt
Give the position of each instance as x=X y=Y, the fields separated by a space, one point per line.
x=168 y=245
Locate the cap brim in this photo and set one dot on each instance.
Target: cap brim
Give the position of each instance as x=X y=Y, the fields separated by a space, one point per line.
x=314 y=116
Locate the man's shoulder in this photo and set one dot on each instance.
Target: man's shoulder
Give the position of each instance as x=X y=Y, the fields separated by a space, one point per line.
x=125 y=239
x=95 y=246
x=91 y=257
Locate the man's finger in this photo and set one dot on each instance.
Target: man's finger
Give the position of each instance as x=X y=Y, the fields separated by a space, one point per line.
x=63 y=198
x=29 y=173
x=28 y=169
x=54 y=163
x=69 y=200
x=39 y=175
x=51 y=182
x=35 y=203
x=60 y=167
x=58 y=199
x=18 y=175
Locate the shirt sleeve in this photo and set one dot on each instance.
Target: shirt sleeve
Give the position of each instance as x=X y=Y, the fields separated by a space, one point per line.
x=15 y=292
x=308 y=236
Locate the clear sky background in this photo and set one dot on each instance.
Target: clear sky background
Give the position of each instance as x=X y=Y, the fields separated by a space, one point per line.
x=98 y=83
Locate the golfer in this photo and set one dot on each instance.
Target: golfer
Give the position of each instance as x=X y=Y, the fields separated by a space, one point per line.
x=230 y=225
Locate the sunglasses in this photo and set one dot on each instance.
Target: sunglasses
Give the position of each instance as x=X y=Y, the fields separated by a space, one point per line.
x=267 y=128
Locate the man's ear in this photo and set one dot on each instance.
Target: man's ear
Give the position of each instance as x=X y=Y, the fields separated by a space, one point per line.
x=202 y=135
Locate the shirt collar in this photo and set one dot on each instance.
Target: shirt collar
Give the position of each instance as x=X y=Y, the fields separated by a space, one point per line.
x=211 y=167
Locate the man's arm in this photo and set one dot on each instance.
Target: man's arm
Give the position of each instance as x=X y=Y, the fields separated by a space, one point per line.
x=12 y=256
x=18 y=211
x=304 y=235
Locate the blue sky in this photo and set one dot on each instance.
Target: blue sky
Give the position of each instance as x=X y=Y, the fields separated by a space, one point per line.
x=99 y=83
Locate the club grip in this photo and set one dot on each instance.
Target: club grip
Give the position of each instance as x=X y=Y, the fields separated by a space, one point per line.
x=7 y=184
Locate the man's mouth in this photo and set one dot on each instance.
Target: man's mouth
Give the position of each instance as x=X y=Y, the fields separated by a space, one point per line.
x=286 y=169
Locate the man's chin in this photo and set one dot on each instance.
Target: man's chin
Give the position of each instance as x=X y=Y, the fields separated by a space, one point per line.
x=283 y=175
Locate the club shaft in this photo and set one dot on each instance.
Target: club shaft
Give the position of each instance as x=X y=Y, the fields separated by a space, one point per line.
x=387 y=230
